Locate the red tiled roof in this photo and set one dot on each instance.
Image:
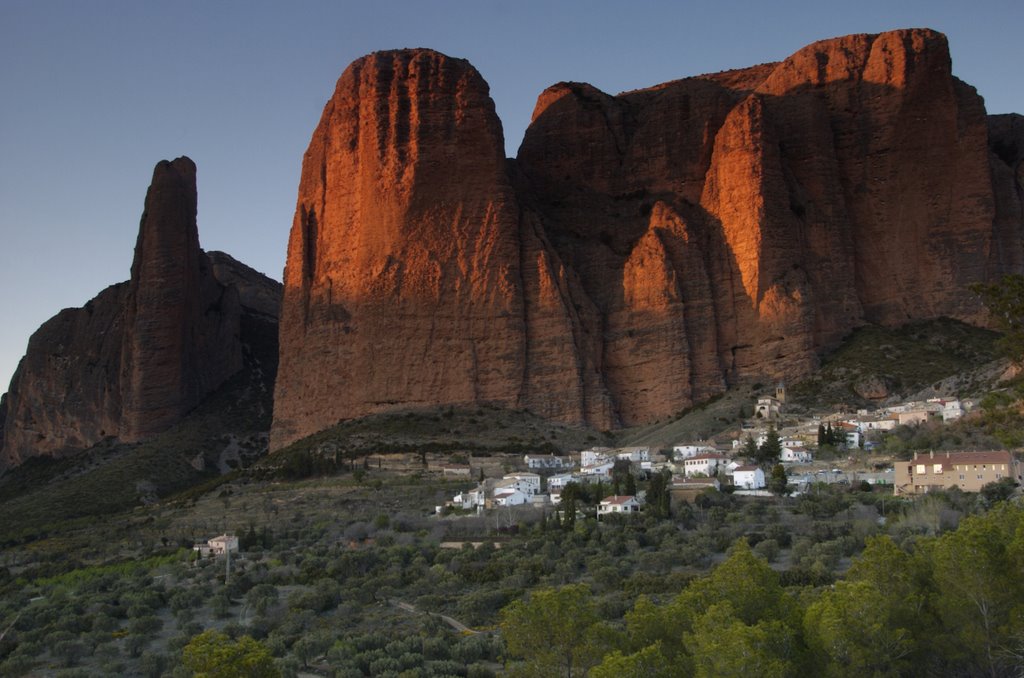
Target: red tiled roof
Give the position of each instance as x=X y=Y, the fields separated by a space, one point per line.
x=617 y=499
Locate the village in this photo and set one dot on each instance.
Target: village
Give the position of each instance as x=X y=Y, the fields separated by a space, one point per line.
x=831 y=448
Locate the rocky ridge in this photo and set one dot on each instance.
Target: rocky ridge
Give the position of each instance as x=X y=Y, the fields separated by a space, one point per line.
x=141 y=354
x=644 y=250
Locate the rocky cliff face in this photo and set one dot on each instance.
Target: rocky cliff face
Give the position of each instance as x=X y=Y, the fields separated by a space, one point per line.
x=403 y=284
x=644 y=250
x=141 y=354
x=181 y=325
x=1006 y=158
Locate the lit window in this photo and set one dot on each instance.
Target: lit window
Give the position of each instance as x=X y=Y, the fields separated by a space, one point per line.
x=936 y=468
x=921 y=468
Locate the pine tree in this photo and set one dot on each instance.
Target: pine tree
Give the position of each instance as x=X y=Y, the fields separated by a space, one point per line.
x=750 y=447
x=630 y=485
x=770 y=450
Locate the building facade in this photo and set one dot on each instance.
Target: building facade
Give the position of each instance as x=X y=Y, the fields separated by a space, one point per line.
x=970 y=471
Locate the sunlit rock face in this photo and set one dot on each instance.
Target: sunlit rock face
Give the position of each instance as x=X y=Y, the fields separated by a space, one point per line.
x=140 y=355
x=412 y=278
x=844 y=185
x=644 y=250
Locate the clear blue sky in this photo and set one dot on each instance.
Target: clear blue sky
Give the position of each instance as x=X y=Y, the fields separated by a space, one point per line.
x=94 y=92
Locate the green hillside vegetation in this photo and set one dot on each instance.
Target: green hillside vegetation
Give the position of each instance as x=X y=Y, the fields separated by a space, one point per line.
x=902 y=361
x=349 y=575
x=699 y=422
x=950 y=356
x=227 y=430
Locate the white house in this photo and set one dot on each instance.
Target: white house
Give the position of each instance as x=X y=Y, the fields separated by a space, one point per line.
x=703 y=464
x=509 y=496
x=547 y=462
x=618 y=504
x=748 y=477
x=218 y=546
x=950 y=410
x=594 y=455
x=795 y=454
x=869 y=423
x=557 y=482
x=471 y=499
x=689 y=450
x=527 y=483
x=634 y=455
x=599 y=470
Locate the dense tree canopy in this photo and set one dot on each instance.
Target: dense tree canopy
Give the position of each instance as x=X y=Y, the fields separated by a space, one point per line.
x=946 y=605
x=212 y=654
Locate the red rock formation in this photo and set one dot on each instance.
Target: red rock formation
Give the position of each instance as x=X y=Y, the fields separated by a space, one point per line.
x=1006 y=158
x=847 y=184
x=65 y=394
x=136 y=358
x=403 y=284
x=175 y=351
x=644 y=250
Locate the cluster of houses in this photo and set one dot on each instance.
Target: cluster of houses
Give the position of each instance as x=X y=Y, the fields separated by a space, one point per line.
x=516 y=489
x=696 y=466
x=693 y=467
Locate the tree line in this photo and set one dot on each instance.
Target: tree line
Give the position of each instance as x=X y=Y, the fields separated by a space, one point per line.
x=949 y=605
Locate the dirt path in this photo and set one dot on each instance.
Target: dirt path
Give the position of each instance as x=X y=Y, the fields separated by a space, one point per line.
x=450 y=621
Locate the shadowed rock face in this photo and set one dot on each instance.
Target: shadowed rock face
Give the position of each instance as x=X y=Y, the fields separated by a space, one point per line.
x=644 y=250
x=1006 y=157
x=181 y=325
x=140 y=355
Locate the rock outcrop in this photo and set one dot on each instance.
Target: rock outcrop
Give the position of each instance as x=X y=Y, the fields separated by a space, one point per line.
x=644 y=250
x=1006 y=146
x=403 y=283
x=140 y=355
x=844 y=185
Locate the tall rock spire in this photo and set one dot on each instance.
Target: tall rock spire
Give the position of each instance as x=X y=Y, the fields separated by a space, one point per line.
x=143 y=353
x=176 y=347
